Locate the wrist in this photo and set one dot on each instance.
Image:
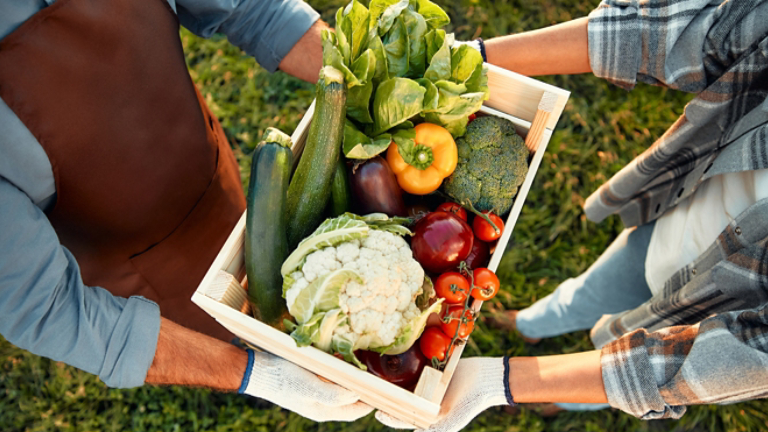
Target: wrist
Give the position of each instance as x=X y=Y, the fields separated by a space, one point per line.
x=248 y=372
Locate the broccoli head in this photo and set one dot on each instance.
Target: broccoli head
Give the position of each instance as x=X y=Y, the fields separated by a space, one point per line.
x=493 y=162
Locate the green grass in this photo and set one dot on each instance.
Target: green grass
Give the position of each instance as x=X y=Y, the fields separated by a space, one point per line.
x=602 y=128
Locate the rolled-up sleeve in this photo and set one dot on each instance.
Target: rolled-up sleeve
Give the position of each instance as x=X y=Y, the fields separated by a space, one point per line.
x=720 y=360
x=684 y=44
x=47 y=310
x=265 y=29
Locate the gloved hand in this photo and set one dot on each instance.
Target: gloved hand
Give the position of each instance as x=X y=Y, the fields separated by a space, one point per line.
x=478 y=384
x=296 y=389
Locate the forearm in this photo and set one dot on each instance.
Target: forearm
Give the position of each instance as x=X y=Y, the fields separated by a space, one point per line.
x=188 y=358
x=559 y=49
x=305 y=59
x=575 y=378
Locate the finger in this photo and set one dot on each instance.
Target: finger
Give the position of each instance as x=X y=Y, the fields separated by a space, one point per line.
x=351 y=412
x=322 y=413
x=388 y=420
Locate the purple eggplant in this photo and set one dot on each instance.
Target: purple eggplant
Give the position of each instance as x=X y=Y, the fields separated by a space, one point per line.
x=375 y=189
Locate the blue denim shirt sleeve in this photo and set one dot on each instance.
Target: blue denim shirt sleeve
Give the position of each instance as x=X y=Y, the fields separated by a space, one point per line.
x=47 y=310
x=265 y=29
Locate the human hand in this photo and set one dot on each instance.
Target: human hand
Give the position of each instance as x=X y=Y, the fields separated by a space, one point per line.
x=296 y=389
x=478 y=384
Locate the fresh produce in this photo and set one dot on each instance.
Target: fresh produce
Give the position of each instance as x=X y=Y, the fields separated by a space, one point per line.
x=487 y=284
x=453 y=287
x=484 y=230
x=454 y=208
x=399 y=65
x=435 y=344
x=354 y=285
x=375 y=189
x=341 y=191
x=310 y=186
x=479 y=255
x=421 y=166
x=265 y=240
x=493 y=162
x=402 y=370
x=457 y=318
x=441 y=240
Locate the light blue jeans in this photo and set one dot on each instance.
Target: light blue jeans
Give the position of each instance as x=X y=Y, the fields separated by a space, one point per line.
x=613 y=284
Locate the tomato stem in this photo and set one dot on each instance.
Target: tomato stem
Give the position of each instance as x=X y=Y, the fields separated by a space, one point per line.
x=468 y=205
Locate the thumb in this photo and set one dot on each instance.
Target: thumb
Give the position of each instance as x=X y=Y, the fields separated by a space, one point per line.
x=388 y=420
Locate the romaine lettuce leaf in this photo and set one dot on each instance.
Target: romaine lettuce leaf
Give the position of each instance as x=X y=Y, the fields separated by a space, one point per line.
x=396 y=100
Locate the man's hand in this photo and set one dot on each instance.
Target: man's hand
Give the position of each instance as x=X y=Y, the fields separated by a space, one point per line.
x=478 y=384
x=186 y=357
x=294 y=388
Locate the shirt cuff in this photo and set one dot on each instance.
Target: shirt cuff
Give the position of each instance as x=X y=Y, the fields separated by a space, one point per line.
x=614 y=40
x=132 y=344
x=629 y=379
x=283 y=32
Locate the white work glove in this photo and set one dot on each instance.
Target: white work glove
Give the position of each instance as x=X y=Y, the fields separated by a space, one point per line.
x=478 y=384
x=296 y=389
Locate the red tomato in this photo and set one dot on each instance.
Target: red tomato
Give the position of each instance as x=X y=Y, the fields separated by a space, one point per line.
x=453 y=287
x=435 y=344
x=454 y=208
x=484 y=231
x=453 y=315
x=486 y=284
x=471 y=117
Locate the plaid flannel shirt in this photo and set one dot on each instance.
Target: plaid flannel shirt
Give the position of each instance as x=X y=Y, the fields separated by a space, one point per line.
x=704 y=338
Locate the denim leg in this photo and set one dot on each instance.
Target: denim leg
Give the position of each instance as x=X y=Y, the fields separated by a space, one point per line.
x=614 y=283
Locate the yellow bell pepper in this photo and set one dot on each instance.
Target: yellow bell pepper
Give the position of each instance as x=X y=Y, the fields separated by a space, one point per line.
x=433 y=158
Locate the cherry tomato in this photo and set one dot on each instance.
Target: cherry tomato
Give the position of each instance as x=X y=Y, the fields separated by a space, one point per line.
x=454 y=208
x=453 y=287
x=453 y=315
x=484 y=231
x=434 y=343
x=471 y=117
x=487 y=284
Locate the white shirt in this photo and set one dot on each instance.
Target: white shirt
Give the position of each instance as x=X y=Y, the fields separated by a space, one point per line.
x=682 y=234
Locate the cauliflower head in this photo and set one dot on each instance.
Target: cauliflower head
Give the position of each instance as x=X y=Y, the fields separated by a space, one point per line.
x=360 y=293
x=493 y=162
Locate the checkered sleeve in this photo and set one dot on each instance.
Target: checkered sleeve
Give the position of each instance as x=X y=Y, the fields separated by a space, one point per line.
x=682 y=44
x=656 y=375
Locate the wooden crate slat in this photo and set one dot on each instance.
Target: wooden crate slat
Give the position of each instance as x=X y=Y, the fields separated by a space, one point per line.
x=519 y=96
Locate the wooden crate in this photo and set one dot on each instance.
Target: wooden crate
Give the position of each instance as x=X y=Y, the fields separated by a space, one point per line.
x=534 y=107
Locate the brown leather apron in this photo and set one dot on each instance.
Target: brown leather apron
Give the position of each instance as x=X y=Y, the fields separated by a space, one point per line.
x=147 y=186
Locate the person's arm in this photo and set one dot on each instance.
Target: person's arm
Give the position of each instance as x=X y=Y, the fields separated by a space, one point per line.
x=47 y=310
x=278 y=33
x=686 y=46
x=305 y=59
x=185 y=357
x=574 y=378
x=555 y=50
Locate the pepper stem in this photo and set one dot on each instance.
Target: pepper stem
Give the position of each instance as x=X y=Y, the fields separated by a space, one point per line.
x=422 y=157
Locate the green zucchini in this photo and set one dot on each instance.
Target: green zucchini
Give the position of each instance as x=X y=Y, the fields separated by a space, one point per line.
x=341 y=192
x=311 y=183
x=266 y=244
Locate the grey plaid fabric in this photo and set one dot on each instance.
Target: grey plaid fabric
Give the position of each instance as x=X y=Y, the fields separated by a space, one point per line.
x=717 y=49
x=704 y=337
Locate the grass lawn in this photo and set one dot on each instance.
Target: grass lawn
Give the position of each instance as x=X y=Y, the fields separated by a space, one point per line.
x=602 y=128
